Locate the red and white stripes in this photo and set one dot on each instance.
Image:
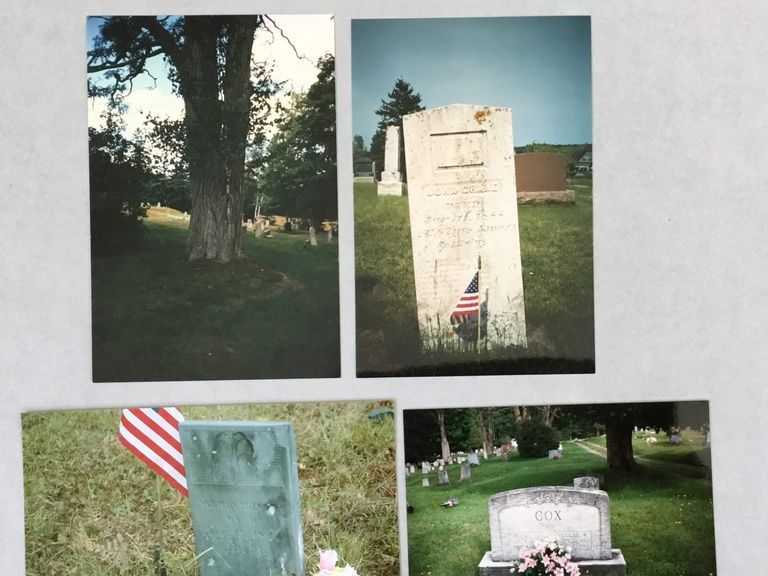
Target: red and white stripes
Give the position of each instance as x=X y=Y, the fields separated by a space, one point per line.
x=152 y=434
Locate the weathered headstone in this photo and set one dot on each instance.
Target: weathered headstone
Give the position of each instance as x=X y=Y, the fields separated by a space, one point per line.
x=572 y=517
x=364 y=171
x=425 y=482
x=464 y=230
x=587 y=482
x=391 y=183
x=442 y=477
x=259 y=228
x=554 y=454
x=244 y=496
x=425 y=467
x=466 y=475
x=312 y=236
x=412 y=469
x=473 y=459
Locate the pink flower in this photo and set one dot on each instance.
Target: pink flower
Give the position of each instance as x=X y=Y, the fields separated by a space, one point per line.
x=349 y=571
x=328 y=559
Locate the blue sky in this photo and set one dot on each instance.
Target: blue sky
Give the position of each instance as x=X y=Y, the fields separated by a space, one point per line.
x=540 y=67
x=311 y=34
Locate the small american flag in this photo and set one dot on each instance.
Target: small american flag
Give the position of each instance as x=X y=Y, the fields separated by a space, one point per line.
x=468 y=304
x=152 y=434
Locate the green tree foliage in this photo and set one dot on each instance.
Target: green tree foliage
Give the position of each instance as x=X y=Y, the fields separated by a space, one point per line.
x=299 y=170
x=358 y=148
x=402 y=100
x=535 y=439
x=422 y=433
x=620 y=420
x=118 y=180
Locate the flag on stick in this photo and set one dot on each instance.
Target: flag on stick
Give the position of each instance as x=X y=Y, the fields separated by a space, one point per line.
x=469 y=303
x=152 y=434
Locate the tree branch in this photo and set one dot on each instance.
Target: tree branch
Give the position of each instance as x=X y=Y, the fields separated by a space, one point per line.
x=291 y=44
x=115 y=64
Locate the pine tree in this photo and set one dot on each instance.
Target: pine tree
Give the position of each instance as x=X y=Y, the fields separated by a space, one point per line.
x=402 y=100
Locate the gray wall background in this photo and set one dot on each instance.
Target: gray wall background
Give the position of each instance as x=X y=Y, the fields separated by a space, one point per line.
x=681 y=150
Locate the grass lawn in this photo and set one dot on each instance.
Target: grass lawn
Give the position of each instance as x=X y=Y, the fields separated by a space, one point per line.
x=556 y=251
x=661 y=518
x=91 y=504
x=274 y=314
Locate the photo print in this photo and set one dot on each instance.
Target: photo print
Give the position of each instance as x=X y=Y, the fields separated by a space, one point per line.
x=212 y=490
x=600 y=489
x=213 y=201
x=473 y=196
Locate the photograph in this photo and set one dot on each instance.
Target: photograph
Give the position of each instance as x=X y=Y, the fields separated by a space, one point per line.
x=472 y=157
x=273 y=489
x=590 y=489
x=213 y=197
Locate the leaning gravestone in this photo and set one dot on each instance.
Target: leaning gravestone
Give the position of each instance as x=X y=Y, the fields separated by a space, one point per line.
x=464 y=231
x=572 y=517
x=244 y=496
x=391 y=183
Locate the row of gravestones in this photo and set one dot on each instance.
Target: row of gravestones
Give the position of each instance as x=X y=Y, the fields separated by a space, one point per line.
x=244 y=497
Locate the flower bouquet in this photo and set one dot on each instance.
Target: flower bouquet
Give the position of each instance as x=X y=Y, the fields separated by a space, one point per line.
x=545 y=560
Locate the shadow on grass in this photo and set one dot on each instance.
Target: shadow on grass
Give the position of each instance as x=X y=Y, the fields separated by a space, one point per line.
x=273 y=314
x=556 y=252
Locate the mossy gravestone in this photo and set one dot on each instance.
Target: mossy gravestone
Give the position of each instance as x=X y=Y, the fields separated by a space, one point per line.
x=244 y=495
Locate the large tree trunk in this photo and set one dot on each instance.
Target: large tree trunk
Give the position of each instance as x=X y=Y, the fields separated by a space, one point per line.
x=216 y=131
x=484 y=418
x=445 y=448
x=618 y=442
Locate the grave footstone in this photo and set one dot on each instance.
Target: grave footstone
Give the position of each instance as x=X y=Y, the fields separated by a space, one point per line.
x=391 y=183
x=464 y=227
x=465 y=472
x=244 y=496
x=587 y=482
x=572 y=517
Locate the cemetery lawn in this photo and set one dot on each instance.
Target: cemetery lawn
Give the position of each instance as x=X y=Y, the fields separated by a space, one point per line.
x=91 y=504
x=274 y=314
x=661 y=513
x=556 y=251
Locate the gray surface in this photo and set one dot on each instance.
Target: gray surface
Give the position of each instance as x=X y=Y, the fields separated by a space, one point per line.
x=681 y=261
x=573 y=517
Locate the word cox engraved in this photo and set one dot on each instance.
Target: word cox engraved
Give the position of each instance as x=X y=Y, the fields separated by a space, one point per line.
x=548 y=515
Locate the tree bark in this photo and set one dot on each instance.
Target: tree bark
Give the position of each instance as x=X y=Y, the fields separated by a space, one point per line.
x=216 y=131
x=618 y=443
x=484 y=418
x=445 y=448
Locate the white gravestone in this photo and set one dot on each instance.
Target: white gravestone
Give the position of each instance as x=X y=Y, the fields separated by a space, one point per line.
x=572 y=517
x=312 y=236
x=391 y=183
x=466 y=475
x=463 y=211
x=473 y=459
